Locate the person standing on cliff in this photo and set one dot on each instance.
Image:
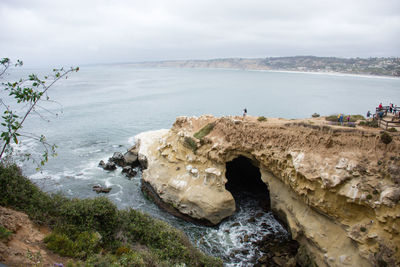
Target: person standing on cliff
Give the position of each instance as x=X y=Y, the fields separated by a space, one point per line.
x=244 y=112
x=368 y=114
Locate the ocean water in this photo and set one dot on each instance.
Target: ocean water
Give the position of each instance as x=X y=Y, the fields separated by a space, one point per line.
x=101 y=108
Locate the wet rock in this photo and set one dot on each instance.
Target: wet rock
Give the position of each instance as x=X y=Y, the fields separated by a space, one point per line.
x=131 y=159
x=143 y=161
x=99 y=189
x=251 y=220
x=102 y=164
x=118 y=159
x=279 y=261
x=259 y=215
x=235 y=224
x=246 y=238
x=129 y=171
x=291 y=262
x=110 y=166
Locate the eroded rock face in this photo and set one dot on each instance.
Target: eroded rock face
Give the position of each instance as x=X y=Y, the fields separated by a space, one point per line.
x=337 y=188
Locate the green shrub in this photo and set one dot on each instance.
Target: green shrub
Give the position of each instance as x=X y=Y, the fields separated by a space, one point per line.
x=315 y=115
x=165 y=241
x=4 y=233
x=369 y=196
x=373 y=123
x=204 y=131
x=392 y=130
x=353 y=118
x=21 y=194
x=262 y=118
x=83 y=245
x=122 y=250
x=333 y=117
x=98 y=214
x=190 y=143
x=61 y=244
x=363 y=229
x=386 y=138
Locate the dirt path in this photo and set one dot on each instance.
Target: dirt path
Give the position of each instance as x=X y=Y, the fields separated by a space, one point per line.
x=25 y=247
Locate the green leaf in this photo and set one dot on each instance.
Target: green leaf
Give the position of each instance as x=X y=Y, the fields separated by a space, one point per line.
x=15 y=139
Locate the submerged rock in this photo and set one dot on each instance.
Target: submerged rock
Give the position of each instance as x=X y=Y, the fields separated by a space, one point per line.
x=118 y=159
x=129 y=171
x=109 y=166
x=99 y=189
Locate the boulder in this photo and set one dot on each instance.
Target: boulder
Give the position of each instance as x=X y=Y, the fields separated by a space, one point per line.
x=118 y=159
x=131 y=158
x=99 y=189
x=110 y=166
x=129 y=171
x=102 y=164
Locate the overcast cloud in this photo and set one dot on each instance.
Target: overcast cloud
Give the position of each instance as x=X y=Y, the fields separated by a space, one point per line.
x=49 y=32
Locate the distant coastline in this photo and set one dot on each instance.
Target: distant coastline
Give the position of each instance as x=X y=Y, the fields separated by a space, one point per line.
x=367 y=67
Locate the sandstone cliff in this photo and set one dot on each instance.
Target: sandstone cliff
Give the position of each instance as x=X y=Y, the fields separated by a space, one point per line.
x=337 y=188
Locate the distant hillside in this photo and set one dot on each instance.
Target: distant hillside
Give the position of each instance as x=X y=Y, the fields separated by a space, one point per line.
x=367 y=66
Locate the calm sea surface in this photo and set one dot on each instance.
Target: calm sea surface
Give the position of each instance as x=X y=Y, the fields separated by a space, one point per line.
x=101 y=108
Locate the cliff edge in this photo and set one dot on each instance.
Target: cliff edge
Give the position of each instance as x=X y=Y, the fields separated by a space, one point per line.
x=337 y=188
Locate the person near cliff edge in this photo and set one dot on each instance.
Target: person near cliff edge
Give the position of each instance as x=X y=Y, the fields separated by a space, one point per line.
x=244 y=112
x=368 y=114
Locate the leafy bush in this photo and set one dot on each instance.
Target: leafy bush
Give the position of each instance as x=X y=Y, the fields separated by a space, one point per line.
x=205 y=130
x=190 y=143
x=353 y=118
x=84 y=244
x=98 y=214
x=163 y=240
x=20 y=194
x=373 y=123
x=122 y=250
x=386 y=138
x=4 y=233
x=392 y=130
x=332 y=117
x=262 y=118
x=315 y=115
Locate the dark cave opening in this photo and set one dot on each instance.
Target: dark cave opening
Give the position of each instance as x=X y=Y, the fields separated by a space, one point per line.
x=244 y=179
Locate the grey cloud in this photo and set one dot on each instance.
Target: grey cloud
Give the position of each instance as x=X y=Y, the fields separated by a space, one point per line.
x=76 y=32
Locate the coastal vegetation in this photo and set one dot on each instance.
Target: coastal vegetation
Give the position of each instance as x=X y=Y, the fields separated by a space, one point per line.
x=353 y=118
x=262 y=118
x=94 y=232
x=204 y=131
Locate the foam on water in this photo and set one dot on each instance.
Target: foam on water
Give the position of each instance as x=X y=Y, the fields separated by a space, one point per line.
x=235 y=239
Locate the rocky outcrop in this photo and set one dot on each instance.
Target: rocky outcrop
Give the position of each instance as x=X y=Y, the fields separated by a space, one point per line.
x=337 y=188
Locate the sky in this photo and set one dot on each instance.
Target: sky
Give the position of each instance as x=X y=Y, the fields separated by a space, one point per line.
x=73 y=32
